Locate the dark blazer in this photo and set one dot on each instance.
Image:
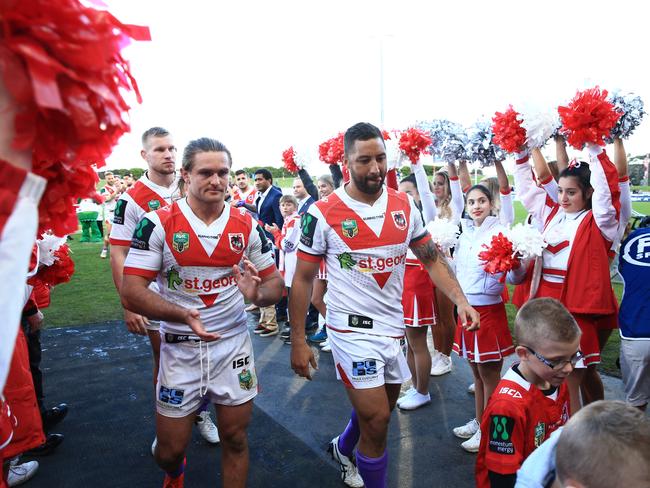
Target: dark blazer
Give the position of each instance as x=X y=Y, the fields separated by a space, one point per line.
x=269 y=213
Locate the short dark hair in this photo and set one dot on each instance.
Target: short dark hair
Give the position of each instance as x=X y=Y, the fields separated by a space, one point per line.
x=266 y=174
x=545 y=319
x=363 y=131
x=240 y=172
x=154 y=132
x=204 y=144
x=409 y=179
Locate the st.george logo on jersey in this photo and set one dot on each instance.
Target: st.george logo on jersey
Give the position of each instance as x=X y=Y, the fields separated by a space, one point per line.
x=349 y=228
x=236 y=242
x=181 y=241
x=399 y=219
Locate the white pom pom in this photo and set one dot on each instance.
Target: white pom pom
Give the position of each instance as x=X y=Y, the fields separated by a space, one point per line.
x=394 y=156
x=48 y=244
x=527 y=241
x=539 y=127
x=443 y=233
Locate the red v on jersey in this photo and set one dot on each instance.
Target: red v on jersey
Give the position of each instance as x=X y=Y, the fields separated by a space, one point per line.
x=382 y=278
x=209 y=300
x=356 y=234
x=146 y=198
x=186 y=246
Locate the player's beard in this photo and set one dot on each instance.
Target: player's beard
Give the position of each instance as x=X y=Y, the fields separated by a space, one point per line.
x=368 y=185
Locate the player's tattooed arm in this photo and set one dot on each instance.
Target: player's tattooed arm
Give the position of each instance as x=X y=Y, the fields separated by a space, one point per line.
x=444 y=278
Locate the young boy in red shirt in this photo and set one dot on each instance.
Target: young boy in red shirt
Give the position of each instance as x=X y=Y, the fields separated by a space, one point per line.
x=531 y=400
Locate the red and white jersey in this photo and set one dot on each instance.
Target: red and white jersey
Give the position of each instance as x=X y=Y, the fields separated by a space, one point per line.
x=144 y=196
x=108 y=191
x=287 y=242
x=248 y=197
x=364 y=247
x=192 y=262
x=517 y=419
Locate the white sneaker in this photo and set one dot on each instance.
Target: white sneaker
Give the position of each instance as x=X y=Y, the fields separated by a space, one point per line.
x=103 y=254
x=153 y=446
x=206 y=427
x=416 y=400
x=326 y=348
x=473 y=443
x=407 y=393
x=441 y=366
x=468 y=430
x=20 y=473
x=252 y=307
x=349 y=473
x=471 y=388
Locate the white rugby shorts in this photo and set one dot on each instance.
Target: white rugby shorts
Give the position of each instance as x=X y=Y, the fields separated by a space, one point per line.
x=367 y=361
x=226 y=377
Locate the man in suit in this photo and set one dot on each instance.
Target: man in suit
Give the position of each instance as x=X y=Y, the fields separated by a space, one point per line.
x=267 y=205
x=304 y=198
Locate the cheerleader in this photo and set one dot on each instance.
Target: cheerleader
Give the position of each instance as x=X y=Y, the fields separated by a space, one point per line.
x=418 y=299
x=580 y=230
x=448 y=205
x=499 y=189
x=486 y=347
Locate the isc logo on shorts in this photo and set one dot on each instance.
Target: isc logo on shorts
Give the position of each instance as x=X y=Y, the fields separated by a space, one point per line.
x=367 y=367
x=241 y=362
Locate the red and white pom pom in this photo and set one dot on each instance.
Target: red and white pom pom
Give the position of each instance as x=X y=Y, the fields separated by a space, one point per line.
x=48 y=244
x=589 y=118
x=413 y=142
x=331 y=151
x=291 y=160
x=64 y=68
x=527 y=241
x=443 y=233
x=499 y=256
x=60 y=271
x=508 y=133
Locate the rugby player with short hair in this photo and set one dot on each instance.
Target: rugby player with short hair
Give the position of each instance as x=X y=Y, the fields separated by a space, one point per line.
x=194 y=249
x=363 y=231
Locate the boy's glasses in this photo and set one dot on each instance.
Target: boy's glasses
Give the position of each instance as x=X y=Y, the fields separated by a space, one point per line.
x=557 y=365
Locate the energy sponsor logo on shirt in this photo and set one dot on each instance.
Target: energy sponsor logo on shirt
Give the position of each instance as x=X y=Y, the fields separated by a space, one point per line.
x=307 y=229
x=501 y=429
x=142 y=234
x=120 y=209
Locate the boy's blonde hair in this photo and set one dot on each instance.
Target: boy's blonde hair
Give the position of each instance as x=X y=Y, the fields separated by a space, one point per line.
x=545 y=318
x=606 y=444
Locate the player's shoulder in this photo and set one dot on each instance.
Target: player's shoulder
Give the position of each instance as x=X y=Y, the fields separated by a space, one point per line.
x=326 y=204
x=239 y=215
x=512 y=389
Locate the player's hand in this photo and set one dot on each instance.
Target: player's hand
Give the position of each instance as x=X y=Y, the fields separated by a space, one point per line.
x=35 y=321
x=469 y=317
x=136 y=324
x=301 y=358
x=193 y=319
x=249 y=281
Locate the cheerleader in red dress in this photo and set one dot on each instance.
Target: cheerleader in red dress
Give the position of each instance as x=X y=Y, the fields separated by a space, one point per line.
x=580 y=230
x=486 y=347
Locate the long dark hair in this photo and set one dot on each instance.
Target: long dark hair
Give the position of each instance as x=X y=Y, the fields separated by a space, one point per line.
x=581 y=172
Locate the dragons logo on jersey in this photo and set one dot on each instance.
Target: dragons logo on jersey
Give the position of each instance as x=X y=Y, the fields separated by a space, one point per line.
x=307 y=229
x=247 y=379
x=236 y=242
x=174 y=279
x=346 y=260
x=120 y=209
x=181 y=241
x=399 y=219
x=349 y=228
x=142 y=234
x=153 y=205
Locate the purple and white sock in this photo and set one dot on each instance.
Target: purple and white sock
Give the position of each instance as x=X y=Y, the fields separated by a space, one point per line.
x=350 y=436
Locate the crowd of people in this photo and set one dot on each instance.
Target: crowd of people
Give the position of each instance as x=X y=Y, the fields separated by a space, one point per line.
x=347 y=262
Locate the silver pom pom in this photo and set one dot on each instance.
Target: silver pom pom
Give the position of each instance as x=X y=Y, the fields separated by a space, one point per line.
x=631 y=106
x=480 y=146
